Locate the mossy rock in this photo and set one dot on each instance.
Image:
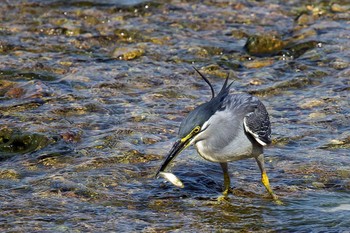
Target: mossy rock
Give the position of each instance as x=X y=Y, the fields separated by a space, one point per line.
x=264 y=45
x=9 y=174
x=14 y=142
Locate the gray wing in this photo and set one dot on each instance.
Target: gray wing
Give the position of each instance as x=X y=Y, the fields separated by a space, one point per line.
x=257 y=123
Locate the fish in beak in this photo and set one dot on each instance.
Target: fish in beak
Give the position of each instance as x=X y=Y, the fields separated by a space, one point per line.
x=178 y=146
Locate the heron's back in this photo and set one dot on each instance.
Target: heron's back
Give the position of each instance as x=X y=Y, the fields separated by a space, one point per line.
x=226 y=139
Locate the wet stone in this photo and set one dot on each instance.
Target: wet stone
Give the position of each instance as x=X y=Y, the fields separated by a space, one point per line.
x=15 y=92
x=258 y=63
x=70 y=188
x=127 y=53
x=5 y=86
x=264 y=45
x=340 y=64
x=344 y=173
x=6 y=47
x=255 y=82
x=317 y=115
x=302 y=34
x=340 y=8
x=318 y=185
x=71 y=136
x=231 y=64
x=128 y=35
x=9 y=174
x=29 y=90
x=214 y=69
x=296 y=50
x=311 y=103
x=343 y=143
x=279 y=87
x=305 y=19
x=12 y=142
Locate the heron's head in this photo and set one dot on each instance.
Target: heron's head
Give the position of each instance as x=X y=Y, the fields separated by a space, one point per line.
x=196 y=122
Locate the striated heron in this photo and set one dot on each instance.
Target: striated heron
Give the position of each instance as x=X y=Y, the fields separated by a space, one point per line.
x=229 y=127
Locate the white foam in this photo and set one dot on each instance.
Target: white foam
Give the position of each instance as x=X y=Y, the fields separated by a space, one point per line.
x=341 y=207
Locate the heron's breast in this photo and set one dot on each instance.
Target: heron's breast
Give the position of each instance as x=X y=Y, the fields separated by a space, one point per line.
x=232 y=152
x=224 y=139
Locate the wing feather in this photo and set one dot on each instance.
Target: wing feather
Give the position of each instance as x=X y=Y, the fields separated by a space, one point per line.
x=257 y=123
x=251 y=110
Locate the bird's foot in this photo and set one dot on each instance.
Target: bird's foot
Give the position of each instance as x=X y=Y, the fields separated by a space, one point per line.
x=226 y=192
x=224 y=196
x=276 y=199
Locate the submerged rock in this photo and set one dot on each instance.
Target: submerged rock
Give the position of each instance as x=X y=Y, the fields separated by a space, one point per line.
x=343 y=143
x=124 y=53
x=258 y=63
x=340 y=8
x=15 y=142
x=9 y=174
x=214 y=69
x=71 y=188
x=304 y=19
x=264 y=45
x=297 y=49
x=30 y=90
x=311 y=103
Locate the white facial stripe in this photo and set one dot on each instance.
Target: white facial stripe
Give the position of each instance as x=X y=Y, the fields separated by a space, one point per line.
x=203 y=128
x=205 y=125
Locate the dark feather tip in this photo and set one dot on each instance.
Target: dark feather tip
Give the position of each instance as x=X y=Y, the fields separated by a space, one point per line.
x=207 y=81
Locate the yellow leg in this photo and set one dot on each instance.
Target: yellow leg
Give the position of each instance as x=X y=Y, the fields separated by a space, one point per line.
x=266 y=183
x=265 y=179
x=227 y=181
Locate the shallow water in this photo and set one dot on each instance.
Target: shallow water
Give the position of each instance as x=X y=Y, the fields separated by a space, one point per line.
x=92 y=94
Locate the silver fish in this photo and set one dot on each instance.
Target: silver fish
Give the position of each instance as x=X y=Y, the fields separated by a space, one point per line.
x=172 y=179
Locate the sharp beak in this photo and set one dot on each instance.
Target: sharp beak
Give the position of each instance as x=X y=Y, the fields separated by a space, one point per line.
x=178 y=146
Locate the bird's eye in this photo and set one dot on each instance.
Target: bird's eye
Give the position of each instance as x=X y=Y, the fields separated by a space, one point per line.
x=196 y=129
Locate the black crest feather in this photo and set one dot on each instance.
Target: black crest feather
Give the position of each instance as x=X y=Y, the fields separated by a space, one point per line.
x=207 y=81
x=199 y=115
